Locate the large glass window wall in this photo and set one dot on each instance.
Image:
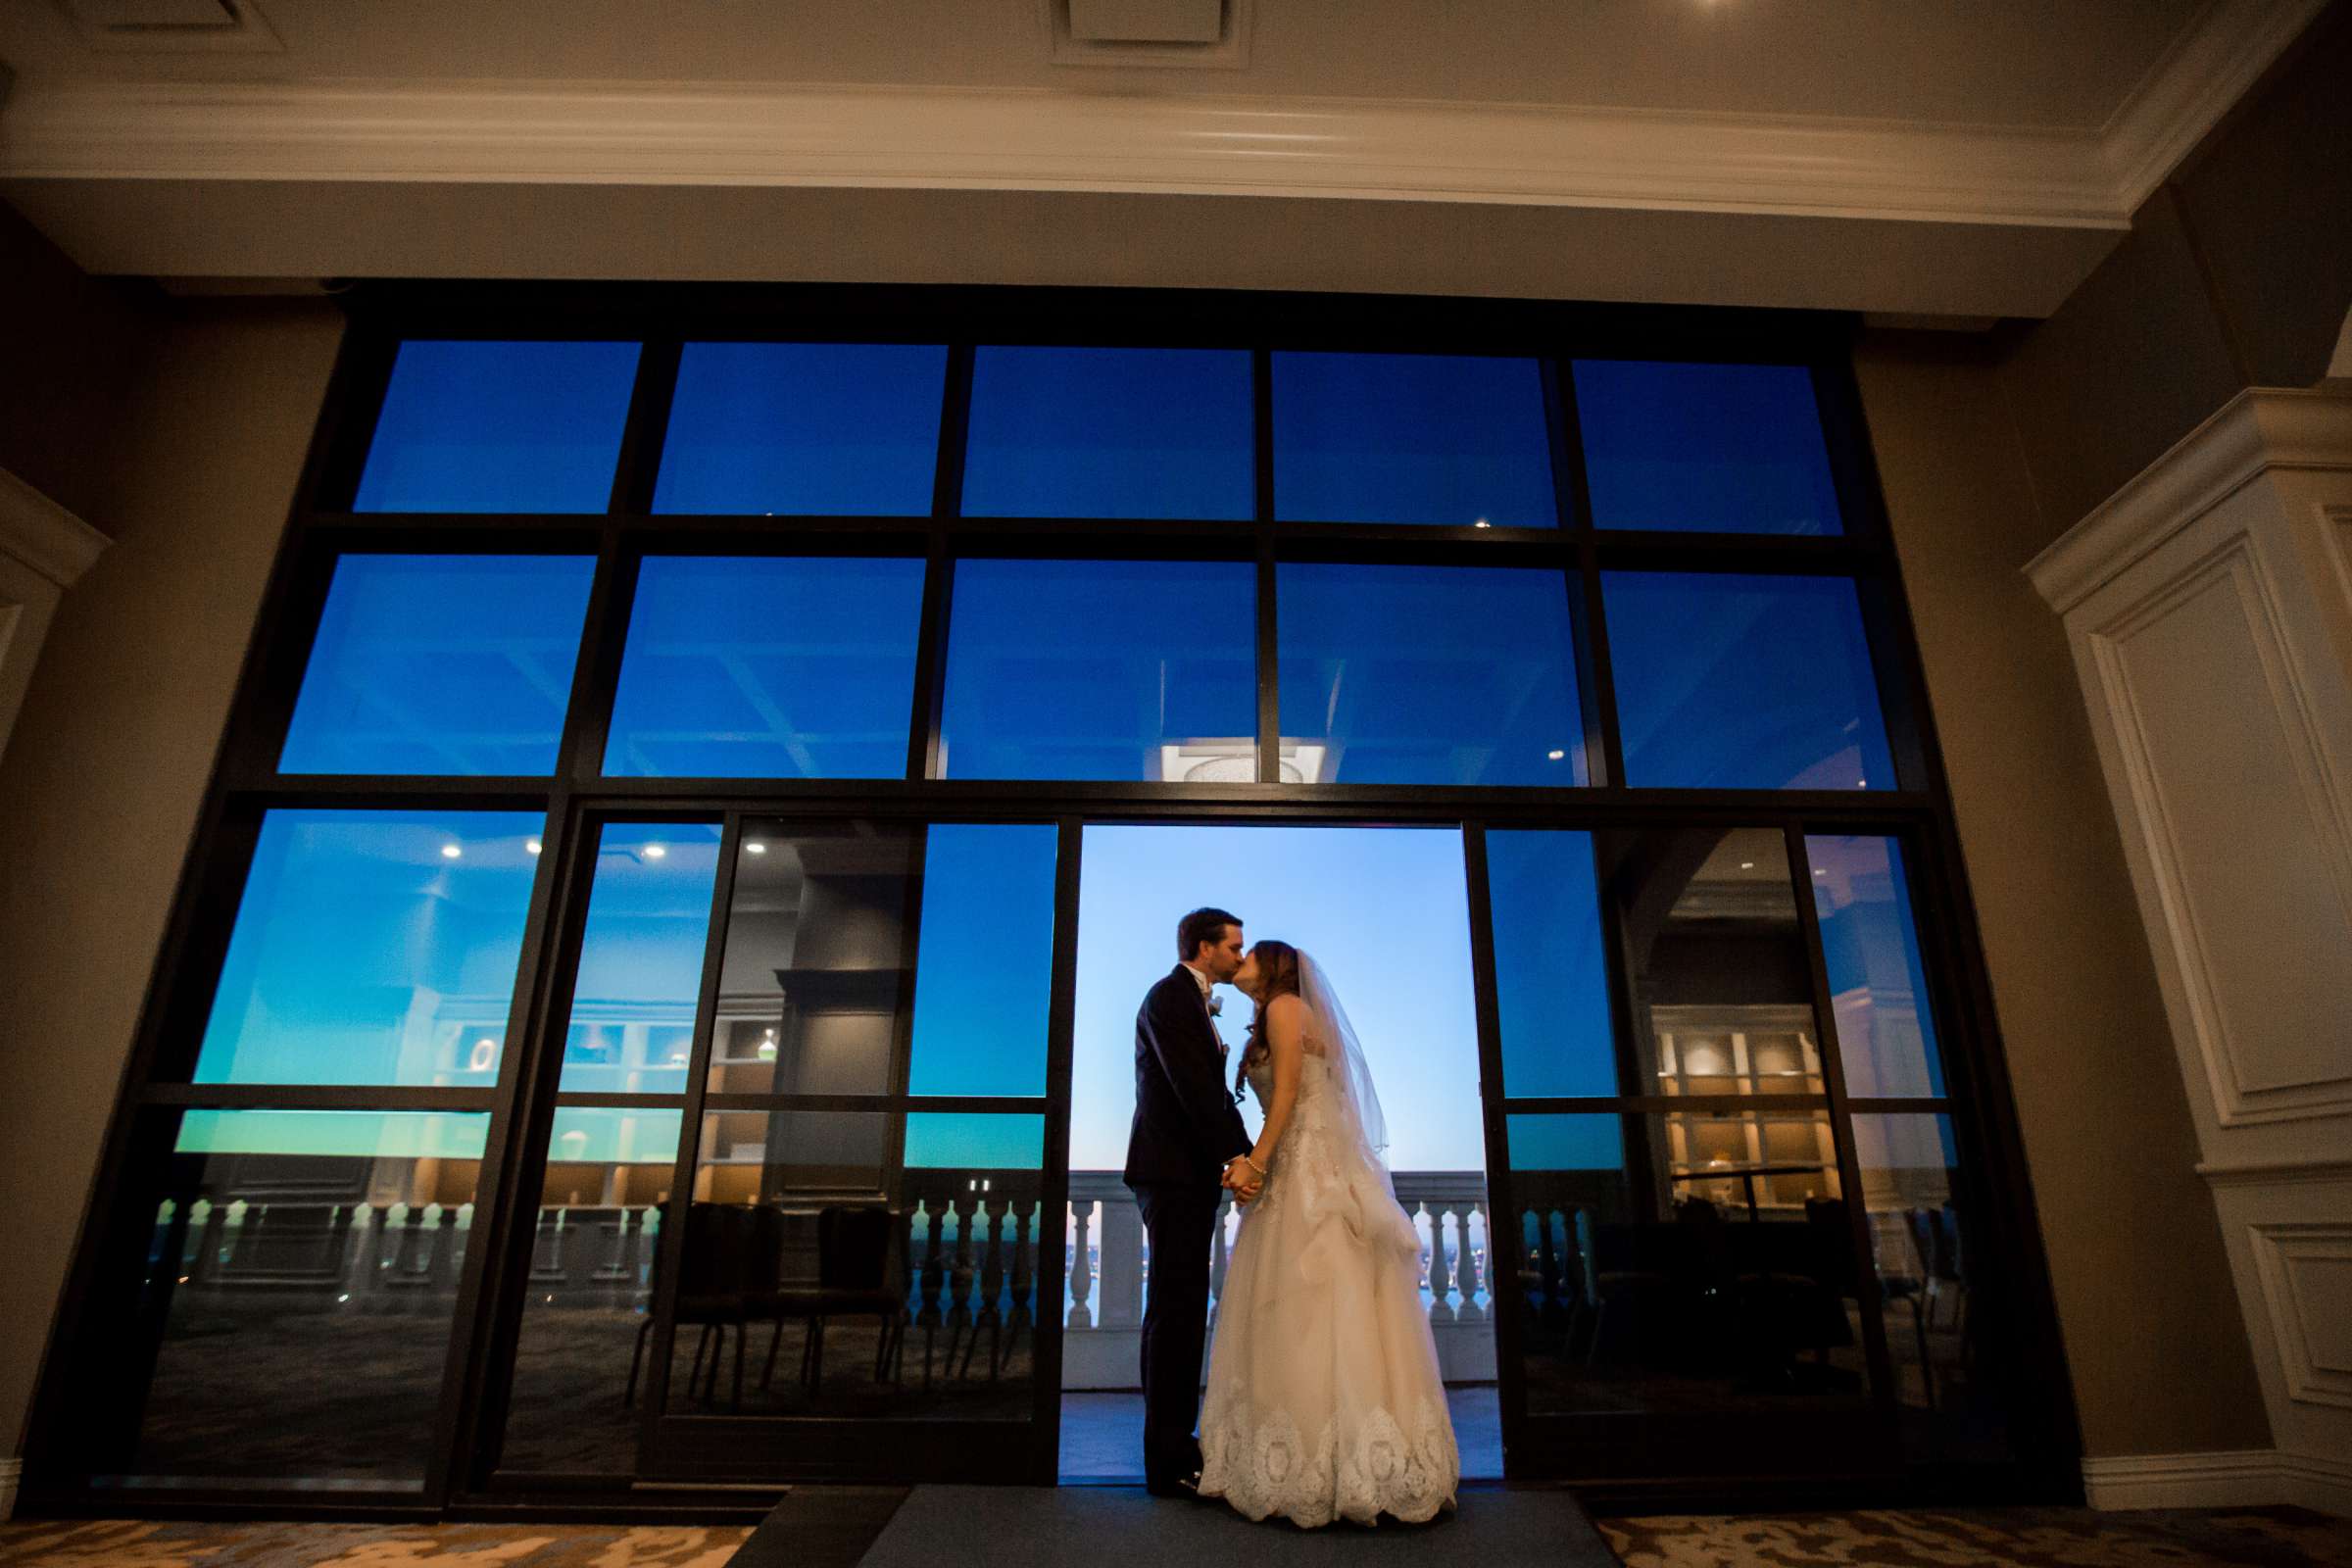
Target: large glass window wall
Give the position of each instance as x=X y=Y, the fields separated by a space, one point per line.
x=618 y=1024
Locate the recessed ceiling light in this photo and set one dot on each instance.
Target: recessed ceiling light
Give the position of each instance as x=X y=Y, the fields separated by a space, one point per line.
x=655 y=851
x=757 y=848
x=1748 y=865
x=450 y=852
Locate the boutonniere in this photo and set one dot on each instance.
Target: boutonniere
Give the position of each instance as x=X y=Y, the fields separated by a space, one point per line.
x=1216 y=1004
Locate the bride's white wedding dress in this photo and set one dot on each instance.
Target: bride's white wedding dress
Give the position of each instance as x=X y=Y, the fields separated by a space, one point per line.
x=1324 y=1399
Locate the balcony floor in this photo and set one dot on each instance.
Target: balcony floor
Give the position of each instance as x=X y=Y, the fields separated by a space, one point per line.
x=1102 y=1435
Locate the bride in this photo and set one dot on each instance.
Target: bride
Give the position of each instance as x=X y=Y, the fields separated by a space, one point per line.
x=1324 y=1398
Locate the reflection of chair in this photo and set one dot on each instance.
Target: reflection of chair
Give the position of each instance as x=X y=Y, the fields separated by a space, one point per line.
x=1935 y=1237
x=710 y=1292
x=854 y=1276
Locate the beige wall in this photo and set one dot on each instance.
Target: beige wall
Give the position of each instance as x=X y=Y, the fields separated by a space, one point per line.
x=108 y=765
x=2154 y=1342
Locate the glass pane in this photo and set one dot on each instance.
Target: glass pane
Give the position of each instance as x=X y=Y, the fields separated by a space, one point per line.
x=1102 y=670
x=1686 y=1264
x=767 y=668
x=1426 y=438
x=1877 y=985
x=331 y=1241
x=373 y=948
x=984 y=966
x=471 y=427
x=1711 y=447
x=794 y=428
x=578 y=1358
x=1946 y=1393
x=823 y=1275
x=1427 y=675
x=814 y=975
x=1726 y=681
x=1551 y=984
x=441 y=664
x=1110 y=433
x=1722 y=985
x=641 y=958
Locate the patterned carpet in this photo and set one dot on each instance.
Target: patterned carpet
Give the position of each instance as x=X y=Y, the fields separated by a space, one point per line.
x=148 y=1543
x=1976 y=1537
x=1989 y=1537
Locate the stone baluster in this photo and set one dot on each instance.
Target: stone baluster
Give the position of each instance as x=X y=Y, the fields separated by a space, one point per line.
x=1082 y=1267
x=1471 y=1310
x=959 y=1272
x=1547 y=1264
x=212 y=1220
x=1441 y=1263
x=993 y=1238
x=930 y=1276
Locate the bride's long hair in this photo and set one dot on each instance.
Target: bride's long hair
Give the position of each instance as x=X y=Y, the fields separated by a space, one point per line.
x=1277 y=965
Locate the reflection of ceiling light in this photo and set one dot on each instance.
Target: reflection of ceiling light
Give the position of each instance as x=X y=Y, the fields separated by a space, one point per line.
x=1481 y=524
x=450 y=852
x=756 y=847
x=767 y=1050
x=531 y=845
x=1235 y=761
x=1748 y=865
x=1821 y=873
x=1555 y=753
x=655 y=851
x=1862 y=783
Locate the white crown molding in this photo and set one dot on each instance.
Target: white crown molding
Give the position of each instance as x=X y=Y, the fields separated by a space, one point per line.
x=2260 y=429
x=44 y=535
x=946 y=138
x=952 y=139
x=2208 y=69
x=2274 y=1172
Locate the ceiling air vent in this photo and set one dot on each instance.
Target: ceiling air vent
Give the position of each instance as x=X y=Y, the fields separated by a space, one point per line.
x=1210 y=33
x=171 y=26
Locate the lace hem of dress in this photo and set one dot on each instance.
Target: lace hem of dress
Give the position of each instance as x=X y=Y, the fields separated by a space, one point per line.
x=1264 y=1466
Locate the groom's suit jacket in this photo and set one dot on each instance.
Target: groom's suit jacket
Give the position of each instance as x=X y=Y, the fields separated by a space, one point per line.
x=1186 y=1127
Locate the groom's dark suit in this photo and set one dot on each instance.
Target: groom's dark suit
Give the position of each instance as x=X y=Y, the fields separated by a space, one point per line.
x=1186 y=1128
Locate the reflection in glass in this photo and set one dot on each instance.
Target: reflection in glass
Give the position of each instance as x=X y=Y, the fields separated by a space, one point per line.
x=984 y=966
x=1430 y=438
x=1877 y=985
x=1427 y=675
x=330 y=1240
x=1729 y=681
x=1703 y=1263
x=774 y=667
x=814 y=976
x=641 y=958
x=1721 y=982
x=838 y=429
x=589 y=1303
x=1102 y=670
x=481 y=427
x=1110 y=433
x=1712 y=448
x=1551 y=986
x=373 y=948
x=440 y=664
x=823 y=1275
x=1944 y=1390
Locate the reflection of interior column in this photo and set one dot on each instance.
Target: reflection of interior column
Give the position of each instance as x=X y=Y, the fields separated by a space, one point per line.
x=838 y=1027
x=2209 y=605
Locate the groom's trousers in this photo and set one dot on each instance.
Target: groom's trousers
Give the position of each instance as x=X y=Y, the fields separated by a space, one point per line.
x=1179 y=1219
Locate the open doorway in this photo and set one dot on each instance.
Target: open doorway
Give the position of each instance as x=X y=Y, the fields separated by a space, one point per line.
x=1386 y=910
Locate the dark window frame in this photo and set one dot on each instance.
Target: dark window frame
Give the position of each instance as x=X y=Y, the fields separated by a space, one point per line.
x=576 y=797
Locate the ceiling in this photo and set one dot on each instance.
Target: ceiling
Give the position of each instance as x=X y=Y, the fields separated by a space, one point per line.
x=1939 y=157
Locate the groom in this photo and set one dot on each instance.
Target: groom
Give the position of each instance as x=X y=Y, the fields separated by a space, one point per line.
x=1181 y=1151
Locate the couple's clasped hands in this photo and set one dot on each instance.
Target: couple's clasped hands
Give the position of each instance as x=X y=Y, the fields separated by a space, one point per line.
x=1244 y=1178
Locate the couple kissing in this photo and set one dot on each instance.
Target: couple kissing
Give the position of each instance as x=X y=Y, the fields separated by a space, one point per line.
x=1324 y=1399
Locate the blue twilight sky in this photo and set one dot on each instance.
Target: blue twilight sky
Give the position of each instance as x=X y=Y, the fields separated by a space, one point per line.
x=1384 y=910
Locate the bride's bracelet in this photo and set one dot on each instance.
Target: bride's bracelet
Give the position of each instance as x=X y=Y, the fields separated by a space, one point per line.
x=1254 y=1164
